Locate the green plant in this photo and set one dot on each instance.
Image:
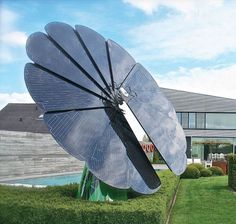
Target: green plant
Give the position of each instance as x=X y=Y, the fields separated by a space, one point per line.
x=198 y=166
x=191 y=172
x=58 y=205
x=205 y=173
x=232 y=171
x=216 y=171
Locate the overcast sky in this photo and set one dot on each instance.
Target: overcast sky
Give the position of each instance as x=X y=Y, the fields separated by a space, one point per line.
x=185 y=44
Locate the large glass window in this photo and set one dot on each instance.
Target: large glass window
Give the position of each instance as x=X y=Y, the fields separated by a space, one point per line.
x=220 y=121
x=207 y=120
x=200 y=120
x=185 y=120
x=191 y=120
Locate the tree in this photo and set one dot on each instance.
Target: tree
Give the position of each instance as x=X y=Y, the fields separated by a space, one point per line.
x=145 y=138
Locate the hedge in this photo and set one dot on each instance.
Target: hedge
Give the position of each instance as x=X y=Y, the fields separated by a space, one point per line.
x=57 y=205
x=199 y=166
x=205 y=172
x=216 y=171
x=232 y=171
x=191 y=172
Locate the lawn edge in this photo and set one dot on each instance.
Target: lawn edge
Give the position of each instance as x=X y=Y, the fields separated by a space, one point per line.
x=172 y=203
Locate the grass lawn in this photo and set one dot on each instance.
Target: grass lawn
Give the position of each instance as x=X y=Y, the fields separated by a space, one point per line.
x=204 y=201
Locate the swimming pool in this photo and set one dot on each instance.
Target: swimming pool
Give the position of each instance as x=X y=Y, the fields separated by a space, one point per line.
x=58 y=180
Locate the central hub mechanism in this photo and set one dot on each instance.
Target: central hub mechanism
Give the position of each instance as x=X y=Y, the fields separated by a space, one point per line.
x=117 y=98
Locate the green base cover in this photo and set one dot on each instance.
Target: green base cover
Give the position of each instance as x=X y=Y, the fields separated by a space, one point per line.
x=93 y=189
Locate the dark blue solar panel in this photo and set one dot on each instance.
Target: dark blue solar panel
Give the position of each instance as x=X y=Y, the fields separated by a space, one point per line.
x=157 y=116
x=121 y=62
x=88 y=135
x=96 y=46
x=52 y=93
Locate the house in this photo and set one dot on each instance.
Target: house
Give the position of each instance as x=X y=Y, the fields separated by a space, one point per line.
x=209 y=123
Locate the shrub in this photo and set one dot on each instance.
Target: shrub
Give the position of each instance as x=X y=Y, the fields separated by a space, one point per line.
x=191 y=172
x=206 y=173
x=57 y=205
x=216 y=171
x=232 y=171
x=198 y=166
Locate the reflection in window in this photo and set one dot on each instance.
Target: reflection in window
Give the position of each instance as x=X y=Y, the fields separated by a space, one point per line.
x=200 y=120
x=220 y=121
x=198 y=151
x=191 y=120
x=185 y=120
x=179 y=117
x=205 y=148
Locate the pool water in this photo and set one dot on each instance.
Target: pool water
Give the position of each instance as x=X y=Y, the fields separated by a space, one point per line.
x=51 y=180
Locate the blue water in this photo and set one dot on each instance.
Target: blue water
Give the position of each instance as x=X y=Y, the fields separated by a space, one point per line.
x=51 y=180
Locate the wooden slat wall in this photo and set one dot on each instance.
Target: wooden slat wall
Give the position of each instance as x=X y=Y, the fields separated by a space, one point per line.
x=29 y=154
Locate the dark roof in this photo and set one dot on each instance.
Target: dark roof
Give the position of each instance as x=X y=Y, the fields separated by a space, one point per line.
x=194 y=102
x=22 y=117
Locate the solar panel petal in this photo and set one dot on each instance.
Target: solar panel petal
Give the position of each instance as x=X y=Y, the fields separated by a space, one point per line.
x=157 y=117
x=121 y=62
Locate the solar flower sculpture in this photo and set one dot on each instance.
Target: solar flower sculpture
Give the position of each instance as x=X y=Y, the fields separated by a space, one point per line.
x=79 y=79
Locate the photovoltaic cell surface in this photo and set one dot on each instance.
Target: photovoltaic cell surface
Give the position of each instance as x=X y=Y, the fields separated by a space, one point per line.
x=71 y=44
x=45 y=53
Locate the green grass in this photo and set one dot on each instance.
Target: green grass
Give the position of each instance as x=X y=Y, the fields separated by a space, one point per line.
x=204 y=201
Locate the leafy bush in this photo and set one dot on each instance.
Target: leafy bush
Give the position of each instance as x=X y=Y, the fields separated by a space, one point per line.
x=232 y=171
x=198 y=166
x=206 y=173
x=191 y=172
x=57 y=205
x=216 y=171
